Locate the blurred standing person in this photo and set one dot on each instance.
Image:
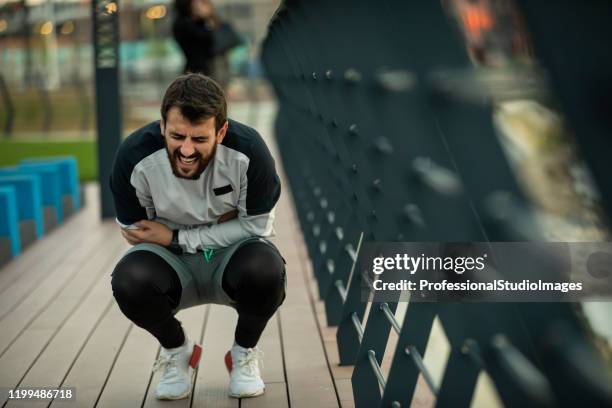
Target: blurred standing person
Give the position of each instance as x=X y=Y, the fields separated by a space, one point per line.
x=193 y=31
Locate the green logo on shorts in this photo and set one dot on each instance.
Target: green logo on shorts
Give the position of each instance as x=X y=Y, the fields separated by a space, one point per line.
x=208 y=254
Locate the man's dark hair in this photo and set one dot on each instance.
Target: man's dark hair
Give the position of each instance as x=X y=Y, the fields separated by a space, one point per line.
x=198 y=97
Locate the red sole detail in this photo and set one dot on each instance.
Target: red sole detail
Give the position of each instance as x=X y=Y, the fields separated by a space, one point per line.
x=195 y=356
x=228 y=361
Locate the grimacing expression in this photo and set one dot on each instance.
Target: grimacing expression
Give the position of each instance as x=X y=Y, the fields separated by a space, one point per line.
x=190 y=146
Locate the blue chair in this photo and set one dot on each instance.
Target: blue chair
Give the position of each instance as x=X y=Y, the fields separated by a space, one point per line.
x=50 y=182
x=10 y=244
x=69 y=176
x=29 y=205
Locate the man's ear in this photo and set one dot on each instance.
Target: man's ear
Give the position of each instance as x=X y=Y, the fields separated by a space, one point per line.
x=222 y=132
x=162 y=127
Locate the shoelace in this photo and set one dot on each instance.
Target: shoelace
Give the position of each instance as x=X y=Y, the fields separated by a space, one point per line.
x=251 y=359
x=168 y=363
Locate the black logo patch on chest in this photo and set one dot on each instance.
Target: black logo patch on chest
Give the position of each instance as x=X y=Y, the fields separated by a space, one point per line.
x=223 y=190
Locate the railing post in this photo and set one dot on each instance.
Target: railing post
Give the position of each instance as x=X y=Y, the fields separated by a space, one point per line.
x=108 y=102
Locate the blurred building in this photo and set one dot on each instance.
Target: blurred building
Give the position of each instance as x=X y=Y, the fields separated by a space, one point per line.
x=47 y=68
x=48 y=42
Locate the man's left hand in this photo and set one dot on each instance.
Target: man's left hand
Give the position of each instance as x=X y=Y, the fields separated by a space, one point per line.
x=151 y=232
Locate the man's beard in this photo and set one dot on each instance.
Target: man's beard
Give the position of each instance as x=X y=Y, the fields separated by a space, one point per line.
x=202 y=162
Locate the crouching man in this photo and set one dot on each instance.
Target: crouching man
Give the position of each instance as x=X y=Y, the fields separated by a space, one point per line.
x=195 y=194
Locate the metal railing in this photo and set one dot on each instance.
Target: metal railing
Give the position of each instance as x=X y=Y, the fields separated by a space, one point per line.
x=386 y=132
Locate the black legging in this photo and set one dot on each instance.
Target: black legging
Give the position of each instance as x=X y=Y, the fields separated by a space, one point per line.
x=147 y=289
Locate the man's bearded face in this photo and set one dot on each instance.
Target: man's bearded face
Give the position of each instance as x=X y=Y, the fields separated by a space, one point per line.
x=190 y=146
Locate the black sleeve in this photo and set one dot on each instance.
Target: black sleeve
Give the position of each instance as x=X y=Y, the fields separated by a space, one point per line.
x=263 y=184
x=133 y=149
x=127 y=206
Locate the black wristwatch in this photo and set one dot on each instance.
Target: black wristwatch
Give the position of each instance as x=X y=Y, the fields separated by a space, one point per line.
x=174 y=246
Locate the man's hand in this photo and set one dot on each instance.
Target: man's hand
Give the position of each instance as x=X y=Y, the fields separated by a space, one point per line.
x=150 y=231
x=230 y=215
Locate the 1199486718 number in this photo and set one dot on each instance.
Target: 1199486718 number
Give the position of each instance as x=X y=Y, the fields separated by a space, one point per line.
x=40 y=393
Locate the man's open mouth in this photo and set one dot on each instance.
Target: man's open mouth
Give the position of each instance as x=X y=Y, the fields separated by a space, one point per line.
x=187 y=161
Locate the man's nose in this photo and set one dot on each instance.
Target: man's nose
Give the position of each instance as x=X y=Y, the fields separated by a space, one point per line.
x=187 y=149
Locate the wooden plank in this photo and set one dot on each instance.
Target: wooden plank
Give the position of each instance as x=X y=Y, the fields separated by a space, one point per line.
x=212 y=379
x=55 y=283
x=53 y=363
x=193 y=322
x=308 y=376
x=129 y=379
x=341 y=374
x=274 y=397
x=310 y=382
x=59 y=240
x=345 y=392
x=43 y=371
x=91 y=368
x=45 y=359
x=52 y=260
x=329 y=335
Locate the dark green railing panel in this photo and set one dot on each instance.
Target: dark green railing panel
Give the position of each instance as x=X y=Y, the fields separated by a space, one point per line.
x=386 y=133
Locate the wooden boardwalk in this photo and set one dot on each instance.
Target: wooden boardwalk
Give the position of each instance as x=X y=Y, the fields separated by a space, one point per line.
x=61 y=327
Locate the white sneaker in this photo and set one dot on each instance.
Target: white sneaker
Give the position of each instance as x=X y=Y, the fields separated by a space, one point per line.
x=178 y=365
x=245 y=377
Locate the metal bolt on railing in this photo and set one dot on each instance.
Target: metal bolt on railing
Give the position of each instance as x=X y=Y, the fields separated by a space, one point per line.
x=353 y=130
x=384 y=307
x=351 y=251
x=331 y=266
x=383 y=145
x=413 y=214
x=376 y=368
x=417 y=358
x=377 y=184
x=357 y=324
x=341 y=289
x=436 y=177
x=396 y=80
x=329 y=74
x=339 y=233
x=352 y=76
x=314 y=76
x=470 y=348
x=354 y=168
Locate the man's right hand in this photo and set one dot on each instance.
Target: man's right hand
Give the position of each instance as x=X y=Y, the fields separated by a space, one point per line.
x=230 y=215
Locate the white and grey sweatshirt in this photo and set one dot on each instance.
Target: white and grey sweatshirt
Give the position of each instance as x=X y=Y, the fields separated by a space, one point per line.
x=241 y=176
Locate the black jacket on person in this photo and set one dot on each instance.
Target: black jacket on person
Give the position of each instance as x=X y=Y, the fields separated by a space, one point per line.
x=195 y=38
